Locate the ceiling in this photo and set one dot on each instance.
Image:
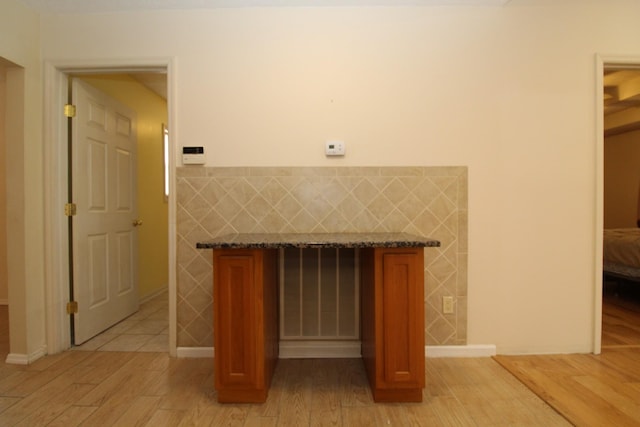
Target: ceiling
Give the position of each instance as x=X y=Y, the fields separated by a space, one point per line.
x=99 y=6
x=621 y=100
x=156 y=82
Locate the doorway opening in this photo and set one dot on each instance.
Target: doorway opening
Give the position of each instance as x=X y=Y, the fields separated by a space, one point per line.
x=620 y=288
x=12 y=238
x=145 y=89
x=133 y=104
x=621 y=245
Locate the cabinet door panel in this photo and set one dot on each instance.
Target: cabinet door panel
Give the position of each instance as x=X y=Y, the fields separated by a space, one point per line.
x=401 y=302
x=235 y=317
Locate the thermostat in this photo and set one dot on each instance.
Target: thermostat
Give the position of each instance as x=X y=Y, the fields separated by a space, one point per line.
x=334 y=148
x=193 y=156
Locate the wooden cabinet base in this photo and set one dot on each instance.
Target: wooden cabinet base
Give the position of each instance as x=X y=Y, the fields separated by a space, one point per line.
x=242 y=396
x=245 y=301
x=246 y=334
x=392 y=322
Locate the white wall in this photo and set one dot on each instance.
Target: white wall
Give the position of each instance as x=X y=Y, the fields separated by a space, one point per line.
x=4 y=288
x=508 y=91
x=20 y=45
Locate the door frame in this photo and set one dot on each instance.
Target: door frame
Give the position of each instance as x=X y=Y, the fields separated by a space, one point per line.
x=55 y=188
x=602 y=62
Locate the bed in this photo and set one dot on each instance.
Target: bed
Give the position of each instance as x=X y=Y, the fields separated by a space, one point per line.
x=621 y=253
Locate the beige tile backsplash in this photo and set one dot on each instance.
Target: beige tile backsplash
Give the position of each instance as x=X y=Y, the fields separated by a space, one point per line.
x=430 y=201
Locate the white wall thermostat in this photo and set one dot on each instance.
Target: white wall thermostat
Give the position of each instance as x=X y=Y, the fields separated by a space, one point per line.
x=334 y=148
x=193 y=156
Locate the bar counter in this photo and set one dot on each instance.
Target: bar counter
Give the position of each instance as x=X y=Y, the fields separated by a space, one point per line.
x=245 y=292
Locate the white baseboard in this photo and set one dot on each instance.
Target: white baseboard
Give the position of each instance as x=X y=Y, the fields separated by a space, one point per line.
x=319 y=349
x=195 y=352
x=460 y=350
x=346 y=349
x=25 y=359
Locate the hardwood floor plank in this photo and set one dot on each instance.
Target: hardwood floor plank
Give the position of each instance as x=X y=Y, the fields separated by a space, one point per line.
x=358 y=416
x=202 y=411
x=165 y=418
x=326 y=418
x=186 y=386
x=60 y=390
x=231 y=415
x=422 y=415
x=73 y=416
x=324 y=383
x=354 y=391
x=143 y=390
x=271 y=408
x=93 y=388
x=391 y=414
x=573 y=394
x=96 y=368
x=7 y=402
x=623 y=399
x=56 y=406
x=142 y=408
x=450 y=412
x=256 y=421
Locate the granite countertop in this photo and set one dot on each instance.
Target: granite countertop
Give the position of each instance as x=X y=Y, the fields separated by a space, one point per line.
x=317 y=240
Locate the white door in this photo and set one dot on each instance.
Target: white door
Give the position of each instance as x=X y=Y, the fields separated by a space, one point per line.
x=105 y=241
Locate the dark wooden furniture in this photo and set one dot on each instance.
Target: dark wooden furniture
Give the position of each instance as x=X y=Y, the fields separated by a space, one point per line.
x=392 y=327
x=245 y=301
x=245 y=293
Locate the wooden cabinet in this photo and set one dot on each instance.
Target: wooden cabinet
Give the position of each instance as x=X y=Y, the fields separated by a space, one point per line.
x=392 y=290
x=245 y=293
x=245 y=296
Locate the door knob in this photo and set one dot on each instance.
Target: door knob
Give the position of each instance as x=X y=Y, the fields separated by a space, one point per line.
x=137 y=222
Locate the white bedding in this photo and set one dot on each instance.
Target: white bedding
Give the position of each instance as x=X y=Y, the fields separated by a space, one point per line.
x=621 y=247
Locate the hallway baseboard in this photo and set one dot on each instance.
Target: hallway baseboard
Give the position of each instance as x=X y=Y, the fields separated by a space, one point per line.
x=26 y=359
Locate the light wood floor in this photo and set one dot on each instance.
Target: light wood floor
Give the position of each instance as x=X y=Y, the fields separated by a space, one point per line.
x=152 y=389
x=114 y=388
x=592 y=390
x=111 y=388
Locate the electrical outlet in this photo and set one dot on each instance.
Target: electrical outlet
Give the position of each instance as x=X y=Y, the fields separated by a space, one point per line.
x=447 y=305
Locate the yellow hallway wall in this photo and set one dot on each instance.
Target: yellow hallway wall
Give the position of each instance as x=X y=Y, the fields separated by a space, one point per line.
x=151 y=112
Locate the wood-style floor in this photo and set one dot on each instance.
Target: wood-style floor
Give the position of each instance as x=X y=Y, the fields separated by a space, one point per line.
x=92 y=388
x=151 y=389
x=115 y=388
x=592 y=390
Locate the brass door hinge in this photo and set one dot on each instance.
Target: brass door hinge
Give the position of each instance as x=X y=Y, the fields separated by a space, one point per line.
x=70 y=209
x=72 y=307
x=69 y=110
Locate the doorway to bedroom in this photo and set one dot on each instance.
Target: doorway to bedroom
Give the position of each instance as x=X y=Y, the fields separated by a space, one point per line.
x=621 y=207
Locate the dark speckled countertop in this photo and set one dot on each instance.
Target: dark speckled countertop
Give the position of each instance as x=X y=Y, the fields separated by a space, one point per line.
x=317 y=240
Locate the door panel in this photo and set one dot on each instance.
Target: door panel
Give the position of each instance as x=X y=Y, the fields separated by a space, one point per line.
x=97 y=175
x=125 y=269
x=98 y=269
x=105 y=242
